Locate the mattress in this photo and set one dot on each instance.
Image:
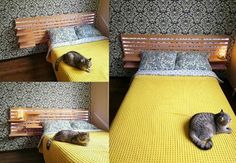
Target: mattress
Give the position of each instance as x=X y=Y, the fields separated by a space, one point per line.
x=96 y=151
x=152 y=122
x=98 y=51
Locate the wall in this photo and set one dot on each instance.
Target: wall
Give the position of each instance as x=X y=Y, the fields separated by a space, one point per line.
x=12 y=9
x=102 y=20
x=167 y=17
x=46 y=95
x=100 y=105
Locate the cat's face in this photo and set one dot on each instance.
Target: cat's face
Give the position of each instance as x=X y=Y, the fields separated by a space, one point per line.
x=87 y=63
x=223 y=118
x=83 y=138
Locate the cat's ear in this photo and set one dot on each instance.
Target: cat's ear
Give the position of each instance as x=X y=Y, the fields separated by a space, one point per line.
x=90 y=59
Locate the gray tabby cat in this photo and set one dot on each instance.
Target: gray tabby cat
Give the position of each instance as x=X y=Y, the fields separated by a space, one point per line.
x=79 y=138
x=76 y=60
x=203 y=126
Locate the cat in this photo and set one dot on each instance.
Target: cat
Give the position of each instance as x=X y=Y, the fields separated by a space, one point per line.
x=203 y=126
x=76 y=60
x=73 y=137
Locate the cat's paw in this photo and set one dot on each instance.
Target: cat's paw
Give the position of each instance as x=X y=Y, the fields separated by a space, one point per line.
x=229 y=130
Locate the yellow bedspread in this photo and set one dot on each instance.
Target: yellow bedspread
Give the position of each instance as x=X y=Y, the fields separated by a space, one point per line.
x=97 y=150
x=98 y=51
x=151 y=125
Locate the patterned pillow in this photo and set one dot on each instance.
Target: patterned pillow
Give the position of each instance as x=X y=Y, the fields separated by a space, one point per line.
x=86 y=31
x=192 y=61
x=53 y=126
x=82 y=125
x=61 y=35
x=156 y=60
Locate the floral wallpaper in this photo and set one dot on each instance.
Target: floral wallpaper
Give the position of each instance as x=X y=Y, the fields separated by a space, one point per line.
x=44 y=95
x=12 y=9
x=167 y=17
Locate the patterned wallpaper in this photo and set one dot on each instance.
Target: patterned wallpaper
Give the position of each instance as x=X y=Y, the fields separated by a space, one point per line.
x=45 y=95
x=167 y=17
x=12 y=9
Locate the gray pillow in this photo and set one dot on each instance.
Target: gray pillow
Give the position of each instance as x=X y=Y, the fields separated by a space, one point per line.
x=192 y=61
x=53 y=126
x=61 y=35
x=157 y=60
x=86 y=31
x=82 y=125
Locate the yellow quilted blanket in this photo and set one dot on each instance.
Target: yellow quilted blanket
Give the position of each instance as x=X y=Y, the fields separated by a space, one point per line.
x=98 y=51
x=97 y=150
x=151 y=125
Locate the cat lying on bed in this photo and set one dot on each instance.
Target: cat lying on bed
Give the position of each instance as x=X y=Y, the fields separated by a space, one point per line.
x=76 y=60
x=79 y=138
x=203 y=126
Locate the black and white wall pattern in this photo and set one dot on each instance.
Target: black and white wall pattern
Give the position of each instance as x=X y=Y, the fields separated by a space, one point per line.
x=43 y=95
x=167 y=17
x=12 y=9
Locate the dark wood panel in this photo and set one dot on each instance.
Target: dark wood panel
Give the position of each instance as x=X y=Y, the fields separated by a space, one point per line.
x=31 y=68
x=22 y=156
x=118 y=90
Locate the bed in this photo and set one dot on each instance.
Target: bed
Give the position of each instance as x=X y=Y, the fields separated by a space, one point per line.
x=96 y=151
x=27 y=122
x=38 y=30
x=98 y=51
x=152 y=122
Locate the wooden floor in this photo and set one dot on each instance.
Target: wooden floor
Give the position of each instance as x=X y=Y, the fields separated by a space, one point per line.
x=29 y=69
x=24 y=156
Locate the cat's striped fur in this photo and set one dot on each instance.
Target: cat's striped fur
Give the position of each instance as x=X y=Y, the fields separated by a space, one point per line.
x=73 y=137
x=203 y=126
x=76 y=60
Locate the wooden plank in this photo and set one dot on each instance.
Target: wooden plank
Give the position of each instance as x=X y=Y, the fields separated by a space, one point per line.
x=133 y=44
x=31 y=125
x=138 y=36
x=33 y=31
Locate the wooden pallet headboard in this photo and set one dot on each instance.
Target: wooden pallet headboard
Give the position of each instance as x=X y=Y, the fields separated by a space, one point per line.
x=133 y=44
x=33 y=31
x=28 y=121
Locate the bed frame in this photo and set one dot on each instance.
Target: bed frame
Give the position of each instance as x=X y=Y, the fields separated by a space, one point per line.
x=28 y=121
x=133 y=44
x=33 y=31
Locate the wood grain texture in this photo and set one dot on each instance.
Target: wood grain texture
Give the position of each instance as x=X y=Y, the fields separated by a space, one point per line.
x=29 y=121
x=32 y=68
x=33 y=31
x=133 y=44
x=22 y=156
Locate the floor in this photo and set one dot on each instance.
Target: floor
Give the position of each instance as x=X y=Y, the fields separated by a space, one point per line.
x=31 y=69
x=24 y=156
x=118 y=89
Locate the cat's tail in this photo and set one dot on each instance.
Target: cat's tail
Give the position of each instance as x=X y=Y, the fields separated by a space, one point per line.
x=58 y=61
x=205 y=145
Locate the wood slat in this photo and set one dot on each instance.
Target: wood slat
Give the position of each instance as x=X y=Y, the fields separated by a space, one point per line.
x=33 y=118
x=33 y=31
x=134 y=44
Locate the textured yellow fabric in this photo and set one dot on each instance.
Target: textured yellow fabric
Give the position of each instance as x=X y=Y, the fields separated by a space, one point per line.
x=151 y=125
x=98 y=51
x=97 y=150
